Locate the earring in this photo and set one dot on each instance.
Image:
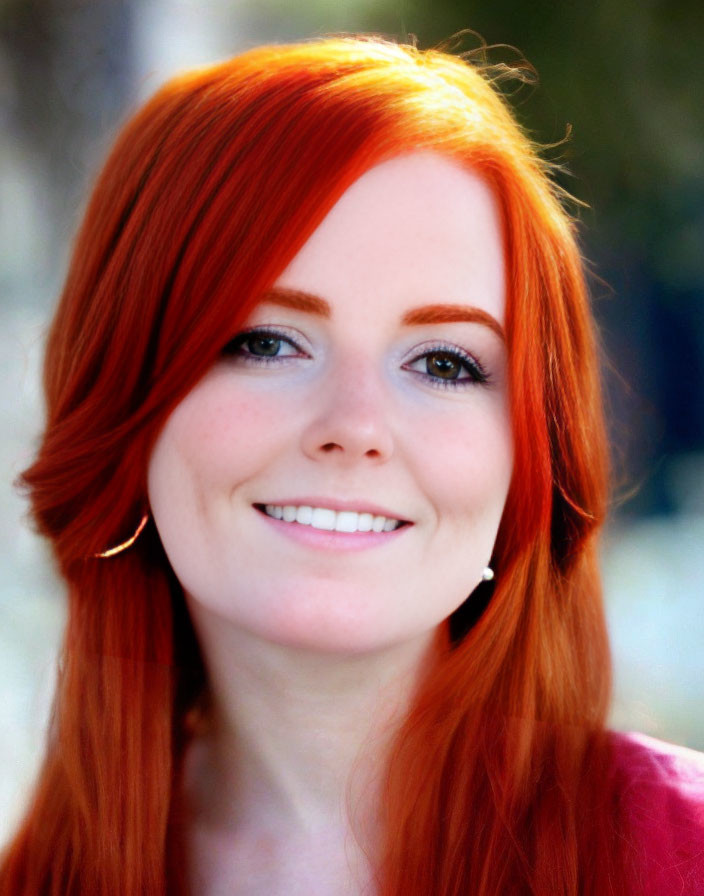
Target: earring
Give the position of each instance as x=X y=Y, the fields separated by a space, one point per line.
x=488 y=574
x=125 y=544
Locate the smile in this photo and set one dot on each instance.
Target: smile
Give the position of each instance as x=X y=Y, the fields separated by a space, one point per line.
x=330 y=520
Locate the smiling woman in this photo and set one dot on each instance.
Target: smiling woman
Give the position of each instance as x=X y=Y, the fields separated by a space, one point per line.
x=325 y=333
x=370 y=411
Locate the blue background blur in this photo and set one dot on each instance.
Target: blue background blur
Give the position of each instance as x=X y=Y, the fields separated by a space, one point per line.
x=624 y=75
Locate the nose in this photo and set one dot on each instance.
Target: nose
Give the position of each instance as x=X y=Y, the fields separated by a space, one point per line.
x=350 y=416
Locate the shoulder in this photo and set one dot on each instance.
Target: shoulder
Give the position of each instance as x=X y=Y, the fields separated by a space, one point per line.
x=646 y=761
x=660 y=789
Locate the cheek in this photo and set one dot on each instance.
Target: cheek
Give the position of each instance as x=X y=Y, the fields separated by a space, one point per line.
x=215 y=440
x=465 y=462
x=209 y=439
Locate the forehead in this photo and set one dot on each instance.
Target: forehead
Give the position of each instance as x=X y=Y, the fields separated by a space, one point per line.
x=415 y=229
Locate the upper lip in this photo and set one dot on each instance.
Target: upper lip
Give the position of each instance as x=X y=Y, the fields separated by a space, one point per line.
x=337 y=504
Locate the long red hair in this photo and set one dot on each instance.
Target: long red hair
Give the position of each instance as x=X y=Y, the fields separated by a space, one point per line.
x=498 y=781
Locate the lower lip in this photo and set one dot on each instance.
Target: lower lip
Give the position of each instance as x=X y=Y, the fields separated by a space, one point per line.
x=333 y=541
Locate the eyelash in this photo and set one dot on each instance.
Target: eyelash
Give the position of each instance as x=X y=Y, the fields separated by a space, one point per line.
x=477 y=374
x=233 y=347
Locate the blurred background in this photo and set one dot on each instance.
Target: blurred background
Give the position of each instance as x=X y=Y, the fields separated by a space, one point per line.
x=623 y=77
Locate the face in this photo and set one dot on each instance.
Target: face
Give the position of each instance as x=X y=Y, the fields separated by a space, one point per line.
x=368 y=392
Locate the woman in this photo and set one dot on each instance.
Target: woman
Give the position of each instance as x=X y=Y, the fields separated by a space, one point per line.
x=325 y=337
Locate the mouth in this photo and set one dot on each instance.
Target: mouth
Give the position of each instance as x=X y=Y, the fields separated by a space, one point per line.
x=329 y=520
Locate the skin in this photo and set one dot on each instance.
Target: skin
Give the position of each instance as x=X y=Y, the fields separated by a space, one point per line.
x=314 y=650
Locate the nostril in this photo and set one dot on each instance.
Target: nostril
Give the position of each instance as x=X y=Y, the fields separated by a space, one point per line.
x=344 y=439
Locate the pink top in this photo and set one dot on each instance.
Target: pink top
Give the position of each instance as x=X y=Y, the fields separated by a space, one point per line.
x=662 y=794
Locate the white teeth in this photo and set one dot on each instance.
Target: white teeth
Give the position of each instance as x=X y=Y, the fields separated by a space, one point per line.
x=323 y=518
x=331 y=520
x=275 y=511
x=304 y=515
x=364 y=523
x=346 y=521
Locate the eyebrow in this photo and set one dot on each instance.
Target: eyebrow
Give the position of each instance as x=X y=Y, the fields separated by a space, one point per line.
x=450 y=314
x=299 y=300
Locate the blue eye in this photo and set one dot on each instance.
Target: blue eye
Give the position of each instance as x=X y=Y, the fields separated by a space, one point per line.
x=448 y=368
x=262 y=345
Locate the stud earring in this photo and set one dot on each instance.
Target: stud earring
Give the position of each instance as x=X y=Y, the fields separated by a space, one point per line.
x=125 y=544
x=488 y=574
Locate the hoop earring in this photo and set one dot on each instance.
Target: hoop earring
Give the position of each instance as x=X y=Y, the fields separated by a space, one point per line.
x=488 y=574
x=125 y=544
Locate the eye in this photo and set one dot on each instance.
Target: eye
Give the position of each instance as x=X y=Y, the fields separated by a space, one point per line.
x=262 y=345
x=448 y=367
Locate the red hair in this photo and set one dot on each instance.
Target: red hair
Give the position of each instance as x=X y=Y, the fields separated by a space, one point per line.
x=498 y=781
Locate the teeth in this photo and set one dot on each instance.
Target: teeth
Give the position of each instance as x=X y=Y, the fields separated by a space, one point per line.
x=304 y=515
x=331 y=520
x=323 y=518
x=346 y=521
x=365 y=521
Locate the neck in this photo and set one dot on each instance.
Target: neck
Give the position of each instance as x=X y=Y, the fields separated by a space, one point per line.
x=298 y=739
